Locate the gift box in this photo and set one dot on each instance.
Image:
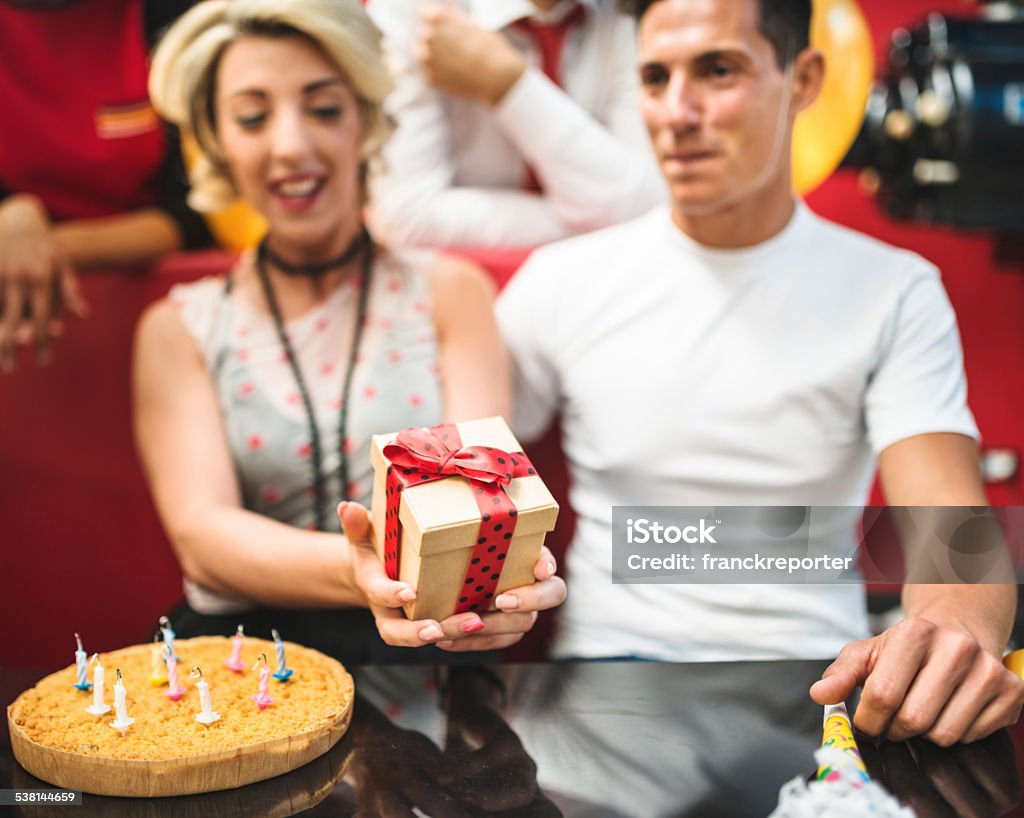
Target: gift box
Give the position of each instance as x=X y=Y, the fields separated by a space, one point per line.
x=459 y=513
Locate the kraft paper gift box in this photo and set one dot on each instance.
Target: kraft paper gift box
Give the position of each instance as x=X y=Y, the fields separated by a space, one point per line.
x=441 y=552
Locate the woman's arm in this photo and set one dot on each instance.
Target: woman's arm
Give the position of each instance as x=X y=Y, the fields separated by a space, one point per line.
x=220 y=545
x=476 y=384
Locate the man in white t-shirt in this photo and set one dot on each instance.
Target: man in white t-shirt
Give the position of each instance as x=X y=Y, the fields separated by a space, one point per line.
x=517 y=122
x=733 y=348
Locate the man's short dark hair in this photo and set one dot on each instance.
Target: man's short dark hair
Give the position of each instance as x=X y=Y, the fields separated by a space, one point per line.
x=786 y=24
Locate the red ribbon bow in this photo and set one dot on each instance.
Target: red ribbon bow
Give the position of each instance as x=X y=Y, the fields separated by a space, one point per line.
x=428 y=451
x=420 y=456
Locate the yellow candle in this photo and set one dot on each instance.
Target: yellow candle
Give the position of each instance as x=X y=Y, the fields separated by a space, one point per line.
x=158 y=676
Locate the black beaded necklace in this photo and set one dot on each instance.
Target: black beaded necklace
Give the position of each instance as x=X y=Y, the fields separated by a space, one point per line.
x=319 y=268
x=263 y=254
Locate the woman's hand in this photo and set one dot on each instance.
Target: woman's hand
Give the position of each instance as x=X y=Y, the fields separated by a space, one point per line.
x=36 y=281
x=397 y=770
x=385 y=597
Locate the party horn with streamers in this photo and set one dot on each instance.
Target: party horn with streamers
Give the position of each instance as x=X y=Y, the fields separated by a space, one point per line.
x=837 y=734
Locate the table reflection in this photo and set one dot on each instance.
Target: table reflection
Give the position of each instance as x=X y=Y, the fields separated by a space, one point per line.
x=587 y=740
x=604 y=740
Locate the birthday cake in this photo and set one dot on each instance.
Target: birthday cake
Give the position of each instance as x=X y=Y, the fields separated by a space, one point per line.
x=153 y=744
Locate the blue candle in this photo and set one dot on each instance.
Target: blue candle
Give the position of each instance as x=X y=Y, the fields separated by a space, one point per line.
x=165 y=629
x=80 y=662
x=283 y=673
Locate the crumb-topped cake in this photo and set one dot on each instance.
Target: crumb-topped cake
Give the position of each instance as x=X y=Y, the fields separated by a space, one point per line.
x=166 y=751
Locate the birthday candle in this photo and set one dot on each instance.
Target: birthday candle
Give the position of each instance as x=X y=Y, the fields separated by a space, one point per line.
x=121 y=721
x=165 y=629
x=80 y=663
x=262 y=697
x=235 y=660
x=174 y=691
x=283 y=672
x=158 y=673
x=205 y=714
x=97 y=708
x=837 y=733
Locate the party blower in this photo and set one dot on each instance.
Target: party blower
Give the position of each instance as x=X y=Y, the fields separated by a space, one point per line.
x=841 y=787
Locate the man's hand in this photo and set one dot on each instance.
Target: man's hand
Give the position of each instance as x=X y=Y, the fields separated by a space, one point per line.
x=979 y=779
x=921 y=678
x=462 y=632
x=460 y=58
x=36 y=281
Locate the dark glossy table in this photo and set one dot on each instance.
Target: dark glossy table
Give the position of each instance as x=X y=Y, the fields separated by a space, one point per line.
x=601 y=740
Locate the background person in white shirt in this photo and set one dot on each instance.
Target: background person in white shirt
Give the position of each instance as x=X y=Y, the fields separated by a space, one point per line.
x=735 y=349
x=490 y=151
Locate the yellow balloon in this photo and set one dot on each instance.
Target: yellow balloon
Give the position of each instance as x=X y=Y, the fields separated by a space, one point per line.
x=824 y=132
x=1014 y=662
x=236 y=228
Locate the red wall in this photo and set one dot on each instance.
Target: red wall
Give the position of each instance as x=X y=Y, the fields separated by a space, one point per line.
x=80 y=547
x=988 y=296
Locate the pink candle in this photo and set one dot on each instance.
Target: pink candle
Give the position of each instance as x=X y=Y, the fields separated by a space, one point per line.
x=235 y=660
x=174 y=690
x=262 y=697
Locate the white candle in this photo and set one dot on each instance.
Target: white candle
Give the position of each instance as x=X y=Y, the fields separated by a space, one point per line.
x=97 y=708
x=205 y=714
x=121 y=721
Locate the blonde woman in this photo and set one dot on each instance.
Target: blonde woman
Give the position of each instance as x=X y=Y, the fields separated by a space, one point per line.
x=256 y=394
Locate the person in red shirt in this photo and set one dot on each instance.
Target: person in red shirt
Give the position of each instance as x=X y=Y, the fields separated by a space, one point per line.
x=89 y=176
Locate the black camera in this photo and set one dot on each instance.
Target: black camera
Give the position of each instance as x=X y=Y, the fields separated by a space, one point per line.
x=943 y=135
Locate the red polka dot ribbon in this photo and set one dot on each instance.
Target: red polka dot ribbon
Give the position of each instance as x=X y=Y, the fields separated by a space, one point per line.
x=420 y=456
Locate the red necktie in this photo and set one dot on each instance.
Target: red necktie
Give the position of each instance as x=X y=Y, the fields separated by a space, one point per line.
x=550 y=41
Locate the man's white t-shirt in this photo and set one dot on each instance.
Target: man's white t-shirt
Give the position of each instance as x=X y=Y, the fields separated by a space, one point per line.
x=692 y=376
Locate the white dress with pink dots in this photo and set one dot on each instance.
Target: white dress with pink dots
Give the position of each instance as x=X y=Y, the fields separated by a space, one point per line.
x=396 y=384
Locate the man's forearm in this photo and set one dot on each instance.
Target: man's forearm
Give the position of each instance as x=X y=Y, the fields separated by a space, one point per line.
x=984 y=611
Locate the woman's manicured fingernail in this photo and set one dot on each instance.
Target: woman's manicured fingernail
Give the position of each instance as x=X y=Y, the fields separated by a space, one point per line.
x=407 y=595
x=507 y=602
x=430 y=633
x=471 y=626
x=551 y=569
